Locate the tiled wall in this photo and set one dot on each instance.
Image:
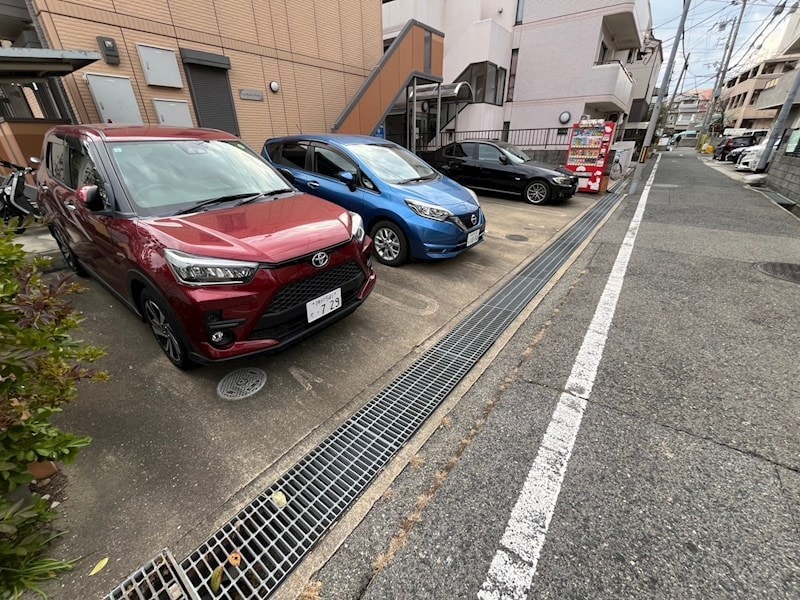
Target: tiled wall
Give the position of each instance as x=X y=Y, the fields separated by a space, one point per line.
x=320 y=51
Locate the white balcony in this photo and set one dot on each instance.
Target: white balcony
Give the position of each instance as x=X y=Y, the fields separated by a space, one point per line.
x=608 y=87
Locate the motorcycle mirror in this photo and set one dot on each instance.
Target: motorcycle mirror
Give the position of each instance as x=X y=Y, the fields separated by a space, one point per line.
x=89 y=195
x=34 y=161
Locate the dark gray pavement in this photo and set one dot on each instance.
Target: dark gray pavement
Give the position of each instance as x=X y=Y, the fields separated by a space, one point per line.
x=684 y=481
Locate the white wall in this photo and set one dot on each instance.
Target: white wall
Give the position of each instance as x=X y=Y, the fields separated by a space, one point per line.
x=397 y=13
x=478 y=42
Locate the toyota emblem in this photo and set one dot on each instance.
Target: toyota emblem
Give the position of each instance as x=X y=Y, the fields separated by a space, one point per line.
x=474 y=219
x=320 y=259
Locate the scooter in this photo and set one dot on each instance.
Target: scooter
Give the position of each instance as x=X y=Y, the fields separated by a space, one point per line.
x=15 y=208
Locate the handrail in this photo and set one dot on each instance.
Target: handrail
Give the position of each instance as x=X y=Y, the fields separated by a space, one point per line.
x=386 y=59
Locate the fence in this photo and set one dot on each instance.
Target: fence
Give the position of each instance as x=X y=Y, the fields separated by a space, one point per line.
x=552 y=138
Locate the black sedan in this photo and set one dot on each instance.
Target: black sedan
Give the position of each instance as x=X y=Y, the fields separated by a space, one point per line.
x=499 y=167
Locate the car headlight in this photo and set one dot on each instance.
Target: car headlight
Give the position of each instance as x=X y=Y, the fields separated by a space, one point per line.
x=356 y=226
x=202 y=270
x=474 y=196
x=429 y=211
x=561 y=180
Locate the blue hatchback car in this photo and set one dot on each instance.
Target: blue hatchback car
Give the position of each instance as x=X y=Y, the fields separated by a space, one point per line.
x=409 y=209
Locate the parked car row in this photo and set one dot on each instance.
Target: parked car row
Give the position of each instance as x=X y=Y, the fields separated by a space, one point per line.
x=225 y=253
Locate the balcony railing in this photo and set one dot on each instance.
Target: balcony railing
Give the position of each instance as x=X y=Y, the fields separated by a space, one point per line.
x=552 y=138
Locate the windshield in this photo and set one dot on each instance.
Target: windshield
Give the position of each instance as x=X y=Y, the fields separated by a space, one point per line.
x=514 y=154
x=393 y=164
x=163 y=177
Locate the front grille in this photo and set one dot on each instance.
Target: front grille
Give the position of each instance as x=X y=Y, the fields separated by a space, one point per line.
x=286 y=315
x=281 y=329
x=301 y=292
x=466 y=220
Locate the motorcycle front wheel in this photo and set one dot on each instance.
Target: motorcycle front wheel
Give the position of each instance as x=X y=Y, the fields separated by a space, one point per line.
x=15 y=220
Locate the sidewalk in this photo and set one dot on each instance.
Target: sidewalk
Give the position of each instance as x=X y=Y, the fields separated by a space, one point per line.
x=684 y=481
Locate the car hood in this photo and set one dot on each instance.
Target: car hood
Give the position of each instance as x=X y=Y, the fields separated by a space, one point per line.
x=443 y=192
x=273 y=231
x=533 y=168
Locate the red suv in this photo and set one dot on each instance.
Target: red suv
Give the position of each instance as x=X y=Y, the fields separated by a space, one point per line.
x=202 y=238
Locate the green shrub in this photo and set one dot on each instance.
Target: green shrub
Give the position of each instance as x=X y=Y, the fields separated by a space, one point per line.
x=40 y=367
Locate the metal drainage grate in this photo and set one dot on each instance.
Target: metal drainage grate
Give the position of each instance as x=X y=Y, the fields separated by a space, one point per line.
x=241 y=383
x=786 y=271
x=159 y=579
x=272 y=536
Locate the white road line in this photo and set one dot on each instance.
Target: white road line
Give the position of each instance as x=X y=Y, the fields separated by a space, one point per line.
x=514 y=565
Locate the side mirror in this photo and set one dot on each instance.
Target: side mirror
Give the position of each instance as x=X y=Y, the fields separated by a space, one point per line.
x=348 y=179
x=287 y=174
x=503 y=159
x=90 y=196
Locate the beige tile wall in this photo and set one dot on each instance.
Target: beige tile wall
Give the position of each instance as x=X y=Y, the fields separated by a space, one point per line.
x=320 y=51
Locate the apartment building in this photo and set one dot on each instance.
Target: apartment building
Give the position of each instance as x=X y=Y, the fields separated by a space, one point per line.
x=741 y=93
x=256 y=69
x=541 y=64
x=687 y=111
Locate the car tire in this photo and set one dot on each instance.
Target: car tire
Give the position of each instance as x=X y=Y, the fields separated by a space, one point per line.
x=166 y=328
x=67 y=254
x=389 y=244
x=537 y=192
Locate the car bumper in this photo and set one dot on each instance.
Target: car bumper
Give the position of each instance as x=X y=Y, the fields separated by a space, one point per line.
x=435 y=240
x=269 y=314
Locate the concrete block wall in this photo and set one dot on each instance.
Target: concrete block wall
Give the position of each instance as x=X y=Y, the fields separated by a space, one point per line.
x=784 y=175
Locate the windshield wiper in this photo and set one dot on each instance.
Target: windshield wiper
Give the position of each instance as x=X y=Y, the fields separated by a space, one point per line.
x=220 y=200
x=264 y=195
x=420 y=178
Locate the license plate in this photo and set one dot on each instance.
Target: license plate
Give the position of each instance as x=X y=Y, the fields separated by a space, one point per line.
x=473 y=237
x=319 y=307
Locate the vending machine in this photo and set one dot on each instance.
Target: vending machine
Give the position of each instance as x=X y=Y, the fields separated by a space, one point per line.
x=588 y=152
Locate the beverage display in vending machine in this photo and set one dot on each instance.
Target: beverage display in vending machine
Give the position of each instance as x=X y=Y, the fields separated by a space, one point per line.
x=588 y=152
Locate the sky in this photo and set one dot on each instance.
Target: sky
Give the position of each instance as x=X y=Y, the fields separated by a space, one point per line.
x=707 y=29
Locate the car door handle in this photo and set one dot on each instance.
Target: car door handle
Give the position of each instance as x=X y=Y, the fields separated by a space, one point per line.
x=313 y=184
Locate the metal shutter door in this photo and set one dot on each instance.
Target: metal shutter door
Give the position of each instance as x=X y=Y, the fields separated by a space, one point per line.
x=211 y=94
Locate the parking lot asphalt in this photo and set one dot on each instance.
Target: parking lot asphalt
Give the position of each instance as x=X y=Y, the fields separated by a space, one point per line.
x=170 y=460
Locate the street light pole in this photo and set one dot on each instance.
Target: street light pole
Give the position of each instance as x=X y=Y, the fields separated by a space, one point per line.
x=662 y=92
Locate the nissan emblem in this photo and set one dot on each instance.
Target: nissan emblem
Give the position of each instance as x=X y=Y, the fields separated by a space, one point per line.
x=320 y=259
x=474 y=219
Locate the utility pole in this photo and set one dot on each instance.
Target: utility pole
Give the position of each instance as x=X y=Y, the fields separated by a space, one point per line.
x=722 y=73
x=662 y=92
x=780 y=122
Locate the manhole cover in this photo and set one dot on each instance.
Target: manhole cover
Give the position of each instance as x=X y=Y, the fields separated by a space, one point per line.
x=516 y=238
x=786 y=271
x=241 y=383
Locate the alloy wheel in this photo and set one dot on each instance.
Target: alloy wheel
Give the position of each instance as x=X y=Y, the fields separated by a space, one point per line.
x=387 y=244
x=163 y=331
x=536 y=192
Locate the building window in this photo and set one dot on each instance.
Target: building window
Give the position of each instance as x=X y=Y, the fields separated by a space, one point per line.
x=387 y=43
x=487 y=81
x=520 y=11
x=512 y=75
x=603 y=56
x=427 y=44
x=754 y=97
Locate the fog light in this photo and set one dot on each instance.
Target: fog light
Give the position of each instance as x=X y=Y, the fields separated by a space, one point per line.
x=222 y=338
